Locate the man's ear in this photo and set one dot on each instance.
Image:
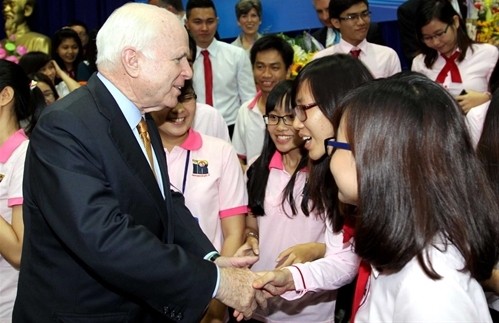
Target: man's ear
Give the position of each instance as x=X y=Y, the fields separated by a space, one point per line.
x=6 y=96
x=336 y=23
x=130 y=61
x=28 y=9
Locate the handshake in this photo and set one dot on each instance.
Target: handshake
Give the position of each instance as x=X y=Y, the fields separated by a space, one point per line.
x=245 y=290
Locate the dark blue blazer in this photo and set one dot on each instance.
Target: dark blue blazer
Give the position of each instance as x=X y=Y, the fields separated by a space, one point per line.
x=101 y=243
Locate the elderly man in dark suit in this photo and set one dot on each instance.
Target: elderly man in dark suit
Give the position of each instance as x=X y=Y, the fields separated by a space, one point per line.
x=106 y=239
x=406 y=14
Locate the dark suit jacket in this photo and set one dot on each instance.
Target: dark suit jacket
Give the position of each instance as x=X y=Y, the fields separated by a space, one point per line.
x=406 y=16
x=101 y=242
x=373 y=35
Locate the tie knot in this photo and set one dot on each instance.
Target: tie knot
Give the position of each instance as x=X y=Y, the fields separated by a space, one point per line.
x=142 y=126
x=205 y=53
x=355 y=53
x=452 y=57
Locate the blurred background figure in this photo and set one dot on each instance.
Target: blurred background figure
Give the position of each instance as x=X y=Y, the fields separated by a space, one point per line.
x=38 y=62
x=174 y=6
x=249 y=19
x=16 y=14
x=67 y=50
x=450 y=57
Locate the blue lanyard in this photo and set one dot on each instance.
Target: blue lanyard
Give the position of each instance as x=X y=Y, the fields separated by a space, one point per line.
x=186 y=169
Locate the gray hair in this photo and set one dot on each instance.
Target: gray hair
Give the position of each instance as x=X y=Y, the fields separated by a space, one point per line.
x=135 y=25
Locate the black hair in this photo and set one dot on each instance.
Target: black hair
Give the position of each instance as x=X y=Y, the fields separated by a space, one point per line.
x=276 y=43
x=258 y=172
x=193 y=4
x=444 y=11
x=336 y=7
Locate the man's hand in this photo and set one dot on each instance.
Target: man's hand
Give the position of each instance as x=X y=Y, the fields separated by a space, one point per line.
x=235 y=290
x=237 y=262
x=301 y=253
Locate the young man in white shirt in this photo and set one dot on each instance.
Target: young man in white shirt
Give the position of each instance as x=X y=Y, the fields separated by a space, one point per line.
x=232 y=78
x=352 y=18
x=271 y=58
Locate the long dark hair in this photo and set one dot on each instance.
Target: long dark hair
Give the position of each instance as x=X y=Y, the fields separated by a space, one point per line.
x=329 y=78
x=25 y=99
x=258 y=172
x=441 y=10
x=58 y=38
x=418 y=176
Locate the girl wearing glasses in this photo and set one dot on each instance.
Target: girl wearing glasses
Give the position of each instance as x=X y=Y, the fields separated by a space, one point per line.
x=317 y=91
x=207 y=172
x=279 y=228
x=450 y=57
x=419 y=226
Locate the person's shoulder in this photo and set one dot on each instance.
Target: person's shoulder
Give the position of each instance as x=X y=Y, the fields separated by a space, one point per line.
x=485 y=48
x=382 y=48
x=215 y=144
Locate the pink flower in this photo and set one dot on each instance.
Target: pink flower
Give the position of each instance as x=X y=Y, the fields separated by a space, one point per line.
x=21 y=50
x=3 y=53
x=12 y=58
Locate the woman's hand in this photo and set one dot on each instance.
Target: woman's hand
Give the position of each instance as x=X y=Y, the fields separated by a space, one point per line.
x=472 y=99
x=301 y=253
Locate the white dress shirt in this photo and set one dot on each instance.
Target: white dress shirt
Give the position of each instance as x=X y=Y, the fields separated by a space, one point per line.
x=381 y=61
x=233 y=81
x=411 y=296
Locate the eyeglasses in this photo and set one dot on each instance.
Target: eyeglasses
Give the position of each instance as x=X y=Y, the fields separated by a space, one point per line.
x=364 y=15
x=330 y=145
x=438 y=35
x=273 y=120
x=300 y=110
x=187 y=97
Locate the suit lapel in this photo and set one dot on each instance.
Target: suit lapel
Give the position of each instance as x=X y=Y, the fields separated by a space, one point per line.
x=128 y=147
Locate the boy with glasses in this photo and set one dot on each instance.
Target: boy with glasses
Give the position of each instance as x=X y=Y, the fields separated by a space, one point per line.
x=352 y=18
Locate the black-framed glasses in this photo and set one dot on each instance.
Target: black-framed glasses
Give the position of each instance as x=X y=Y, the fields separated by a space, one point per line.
x=330 y=144
x=364 y=15
x=300 y=110
x=273 y=120
x=438 y=35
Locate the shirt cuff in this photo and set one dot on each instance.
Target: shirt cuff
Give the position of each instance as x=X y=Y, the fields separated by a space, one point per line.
x=211 y=257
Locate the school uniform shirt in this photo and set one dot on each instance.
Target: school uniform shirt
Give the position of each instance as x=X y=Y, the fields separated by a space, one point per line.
x=210 y=122
x=233 y=81
x=381 y=61
x=206 y=170
x=411 y=296
x=249 y=131
x=12 y=156
x=475 y=69
x=279 y=230
x=474 y=121
x=339 y=267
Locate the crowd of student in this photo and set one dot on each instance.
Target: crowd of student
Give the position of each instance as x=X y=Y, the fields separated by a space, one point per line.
x=352 y=169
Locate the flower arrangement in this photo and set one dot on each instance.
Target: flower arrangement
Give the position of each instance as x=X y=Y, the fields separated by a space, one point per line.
x=10 y=51
x=304 y=47
x=486 y=16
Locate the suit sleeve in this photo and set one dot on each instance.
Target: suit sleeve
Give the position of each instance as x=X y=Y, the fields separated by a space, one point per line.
x=72 y=191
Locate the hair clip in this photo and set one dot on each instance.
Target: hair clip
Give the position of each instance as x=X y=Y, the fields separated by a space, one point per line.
x=32 y=85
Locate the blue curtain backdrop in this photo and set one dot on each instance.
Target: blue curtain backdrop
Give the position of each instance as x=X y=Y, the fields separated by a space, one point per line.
x=51 y=15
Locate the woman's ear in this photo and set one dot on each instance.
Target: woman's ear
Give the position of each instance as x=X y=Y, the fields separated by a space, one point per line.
x=456 y=21
x=6 y=96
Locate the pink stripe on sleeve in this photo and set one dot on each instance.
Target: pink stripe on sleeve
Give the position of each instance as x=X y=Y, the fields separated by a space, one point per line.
x=233 y=211
x=15 y=201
